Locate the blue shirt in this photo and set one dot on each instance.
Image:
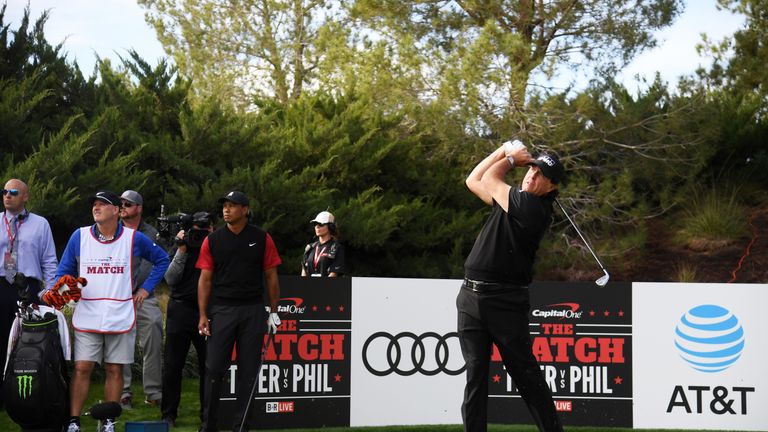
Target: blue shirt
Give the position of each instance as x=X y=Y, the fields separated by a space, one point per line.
x=143 y=247
x=36 y=253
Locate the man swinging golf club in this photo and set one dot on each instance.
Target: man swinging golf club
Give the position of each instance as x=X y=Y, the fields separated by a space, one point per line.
x=493 y=302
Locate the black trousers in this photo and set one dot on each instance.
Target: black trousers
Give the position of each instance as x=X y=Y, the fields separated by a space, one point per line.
x=501 y=318
x=246 y=325
x=180 y=332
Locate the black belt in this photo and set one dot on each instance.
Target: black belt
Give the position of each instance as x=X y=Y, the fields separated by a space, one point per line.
x=482 y=286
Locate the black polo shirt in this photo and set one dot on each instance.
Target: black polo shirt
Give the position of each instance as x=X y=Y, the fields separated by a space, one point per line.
x=505 y=249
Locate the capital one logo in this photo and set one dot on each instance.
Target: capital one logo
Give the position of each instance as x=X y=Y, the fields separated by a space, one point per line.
x=709 y=338
x=25 y=386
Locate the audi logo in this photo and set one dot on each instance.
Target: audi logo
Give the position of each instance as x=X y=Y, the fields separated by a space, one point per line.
x=430 y=354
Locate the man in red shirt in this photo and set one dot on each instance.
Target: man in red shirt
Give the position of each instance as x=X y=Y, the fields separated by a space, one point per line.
x=236 y=262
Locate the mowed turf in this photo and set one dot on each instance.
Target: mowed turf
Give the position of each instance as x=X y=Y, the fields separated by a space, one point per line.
x=189 y=421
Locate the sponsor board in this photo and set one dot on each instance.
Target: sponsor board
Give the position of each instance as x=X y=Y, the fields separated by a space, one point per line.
x=407 y=366
x=305 y=378
x=700 y=356
x=582 y=338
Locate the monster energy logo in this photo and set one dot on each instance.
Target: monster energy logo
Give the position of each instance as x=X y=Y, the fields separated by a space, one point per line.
x=25 y=386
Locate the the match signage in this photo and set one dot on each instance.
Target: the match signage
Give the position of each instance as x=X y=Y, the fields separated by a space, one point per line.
x=305 y=378
x=582 y=338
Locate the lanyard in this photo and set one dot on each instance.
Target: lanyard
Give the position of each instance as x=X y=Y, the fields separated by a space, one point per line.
x=12 y=238
x=318 y=254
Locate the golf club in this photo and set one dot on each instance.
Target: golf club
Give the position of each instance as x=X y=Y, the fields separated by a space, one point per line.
x=603 y=280
x=270 y=338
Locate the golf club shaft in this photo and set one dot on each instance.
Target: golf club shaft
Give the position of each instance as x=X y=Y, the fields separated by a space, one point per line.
x=256 y=380
x=586 y=243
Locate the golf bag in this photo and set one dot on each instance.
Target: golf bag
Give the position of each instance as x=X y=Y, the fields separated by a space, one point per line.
x=36 y=382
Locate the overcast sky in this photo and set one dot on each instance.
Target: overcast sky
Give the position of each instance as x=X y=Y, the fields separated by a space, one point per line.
x=109 y=28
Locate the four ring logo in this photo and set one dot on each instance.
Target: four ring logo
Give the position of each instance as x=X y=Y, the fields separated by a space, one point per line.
x=430 y=354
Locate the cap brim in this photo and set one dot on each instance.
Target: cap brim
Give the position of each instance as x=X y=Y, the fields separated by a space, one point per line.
x=223 y=200
x=93 y=200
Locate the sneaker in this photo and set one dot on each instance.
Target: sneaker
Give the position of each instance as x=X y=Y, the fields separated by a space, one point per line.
x=153 y=402
x=171 y=421
x=109 y=425
x=73 y=427
x=126 y=402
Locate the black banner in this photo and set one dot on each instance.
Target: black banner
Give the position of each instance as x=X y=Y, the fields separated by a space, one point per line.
x=582 y=339
x=305 y=378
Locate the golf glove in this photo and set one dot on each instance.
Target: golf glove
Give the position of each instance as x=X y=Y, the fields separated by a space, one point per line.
x=512 y=146
x=273 y=321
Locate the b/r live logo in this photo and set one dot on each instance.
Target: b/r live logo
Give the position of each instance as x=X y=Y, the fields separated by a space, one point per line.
x=279 y=407
x=25 y=386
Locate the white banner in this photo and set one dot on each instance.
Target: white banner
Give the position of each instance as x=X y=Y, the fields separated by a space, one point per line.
x=407 y=366
x=700 y=355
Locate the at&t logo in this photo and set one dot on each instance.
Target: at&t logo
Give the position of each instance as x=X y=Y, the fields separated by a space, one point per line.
x=709 y=338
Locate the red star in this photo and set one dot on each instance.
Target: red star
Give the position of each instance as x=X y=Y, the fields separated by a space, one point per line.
x=314 y=308
x=327 y=308
x=606 y=313
x=621 y=313
x=337 y=378
x=618 y=380
x=591 y=313
x=341 y=308
x=496 y=378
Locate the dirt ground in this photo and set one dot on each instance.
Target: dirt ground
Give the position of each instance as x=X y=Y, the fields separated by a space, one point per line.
x=665 y=261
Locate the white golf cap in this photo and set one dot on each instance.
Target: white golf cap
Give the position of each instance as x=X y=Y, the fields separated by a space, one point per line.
x=323 y=218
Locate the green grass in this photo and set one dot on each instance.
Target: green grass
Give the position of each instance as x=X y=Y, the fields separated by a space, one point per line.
x=188 y=420
x=714 y=214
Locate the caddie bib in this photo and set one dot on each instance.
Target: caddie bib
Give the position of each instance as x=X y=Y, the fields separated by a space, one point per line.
x=106 y=302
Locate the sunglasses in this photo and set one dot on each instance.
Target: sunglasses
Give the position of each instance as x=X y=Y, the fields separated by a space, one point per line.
x=127 y=204
x=13 y=192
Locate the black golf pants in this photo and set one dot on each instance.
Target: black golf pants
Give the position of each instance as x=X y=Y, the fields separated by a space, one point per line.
x=501 y=318
x=246 y=325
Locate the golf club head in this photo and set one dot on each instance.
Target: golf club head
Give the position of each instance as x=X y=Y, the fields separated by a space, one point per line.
x=603 y=279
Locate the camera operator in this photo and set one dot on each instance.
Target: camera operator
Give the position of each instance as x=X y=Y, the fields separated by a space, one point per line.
x=183 y=314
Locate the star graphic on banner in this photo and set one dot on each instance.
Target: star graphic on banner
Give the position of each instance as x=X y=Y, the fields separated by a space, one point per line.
x=341 y=308
x=618 y=380
x=621 y=313
x=496 y=378
x=337 y=378
x=314 y=308
x=591 y=313
x=606 y=313
x=327 y=308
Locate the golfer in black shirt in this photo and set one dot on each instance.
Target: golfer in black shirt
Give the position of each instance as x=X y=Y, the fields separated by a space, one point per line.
x=236 y=262
x=493 y=302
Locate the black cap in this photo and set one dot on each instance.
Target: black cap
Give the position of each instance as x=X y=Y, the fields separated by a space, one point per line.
x=236 y=197
x=551 y=167
x=106 y=197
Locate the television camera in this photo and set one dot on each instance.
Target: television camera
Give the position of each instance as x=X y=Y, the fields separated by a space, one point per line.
x=195 y=228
